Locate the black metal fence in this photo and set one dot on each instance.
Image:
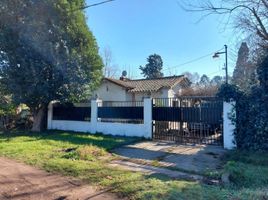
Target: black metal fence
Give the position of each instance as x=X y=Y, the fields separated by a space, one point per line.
x=121 y=111
x=188 y=120
x=70 y=112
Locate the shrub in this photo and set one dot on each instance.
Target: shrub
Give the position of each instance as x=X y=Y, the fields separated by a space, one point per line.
x=251 y=111
x=7 y=112
x=229 y=93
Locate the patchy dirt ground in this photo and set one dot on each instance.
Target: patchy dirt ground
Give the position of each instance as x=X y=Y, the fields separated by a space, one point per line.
x=22 y=182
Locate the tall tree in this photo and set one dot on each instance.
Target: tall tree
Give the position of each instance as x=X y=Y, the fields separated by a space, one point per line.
x=204 y=81
x=153 y=68
x=193 y=77
x=204 y=86
x=262 y=72
x=217 y=81
x=261 y=99
x=48 y=53
x=109 y=70
x=244 y=69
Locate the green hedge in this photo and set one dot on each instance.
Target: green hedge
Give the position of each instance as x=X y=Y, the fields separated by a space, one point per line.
x=251 y=111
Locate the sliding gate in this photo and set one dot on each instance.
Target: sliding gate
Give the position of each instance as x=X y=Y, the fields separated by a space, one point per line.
x=194 y=120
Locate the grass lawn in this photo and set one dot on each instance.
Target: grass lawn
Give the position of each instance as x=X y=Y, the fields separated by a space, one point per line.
x=86 y=157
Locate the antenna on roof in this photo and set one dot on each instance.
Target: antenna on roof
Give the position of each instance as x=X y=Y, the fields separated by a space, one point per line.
x=123 y=76
x=124 y=73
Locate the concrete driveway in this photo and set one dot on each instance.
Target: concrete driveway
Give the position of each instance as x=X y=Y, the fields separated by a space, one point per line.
x=195 y=158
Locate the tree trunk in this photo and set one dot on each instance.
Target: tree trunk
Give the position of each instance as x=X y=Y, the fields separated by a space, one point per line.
x=39 y=119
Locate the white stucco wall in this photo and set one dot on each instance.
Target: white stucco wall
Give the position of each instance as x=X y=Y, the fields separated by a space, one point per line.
x=163 y=93
x=64 y=125
x=110 y=92
x=176 y=89
x=138 y=130
x=139 y=96
x=122 y=129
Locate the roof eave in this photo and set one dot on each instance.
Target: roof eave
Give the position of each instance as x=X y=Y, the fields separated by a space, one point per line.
x=142 y=91
x=116 y=83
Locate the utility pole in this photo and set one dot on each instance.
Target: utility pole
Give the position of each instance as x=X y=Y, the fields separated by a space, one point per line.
x=217 y=54
x=226 y=63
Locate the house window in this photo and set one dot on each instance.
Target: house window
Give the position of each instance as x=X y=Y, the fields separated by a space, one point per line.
x=107 y=88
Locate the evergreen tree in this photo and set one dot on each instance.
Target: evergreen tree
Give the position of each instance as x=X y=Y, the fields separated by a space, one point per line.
x=48 y=53
x=244 y=70
x=153 y=68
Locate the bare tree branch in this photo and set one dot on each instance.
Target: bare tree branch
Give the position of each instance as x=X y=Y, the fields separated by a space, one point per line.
x=249 y=16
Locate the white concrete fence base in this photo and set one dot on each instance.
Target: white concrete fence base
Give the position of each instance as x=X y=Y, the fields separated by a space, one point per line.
x=131 y=130
x=95 y=126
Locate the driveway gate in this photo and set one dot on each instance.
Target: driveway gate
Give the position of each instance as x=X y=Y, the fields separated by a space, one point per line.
x=197 y=120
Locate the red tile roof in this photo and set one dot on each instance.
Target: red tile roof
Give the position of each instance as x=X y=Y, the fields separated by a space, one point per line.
x=148 y=85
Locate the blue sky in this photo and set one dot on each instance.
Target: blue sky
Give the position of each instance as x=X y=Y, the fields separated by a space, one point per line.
x=134 y=29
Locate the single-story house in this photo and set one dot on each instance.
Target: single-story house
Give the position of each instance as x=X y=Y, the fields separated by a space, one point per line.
x=124 y=89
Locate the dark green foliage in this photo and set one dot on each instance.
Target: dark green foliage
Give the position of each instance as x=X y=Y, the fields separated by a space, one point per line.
x=6 y=107
x=251 y=116
x=263 y=75
x=7 y=112
x=47 y=52
x=229 y=92
x=153 y=68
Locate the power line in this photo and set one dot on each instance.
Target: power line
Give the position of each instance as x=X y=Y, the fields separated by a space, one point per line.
x=189 y=62
x=96 y=4
x=214 y=73
x=192 y=61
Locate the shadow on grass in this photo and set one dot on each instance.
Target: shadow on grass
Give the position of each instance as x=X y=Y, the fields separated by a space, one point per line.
x=106 y=142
